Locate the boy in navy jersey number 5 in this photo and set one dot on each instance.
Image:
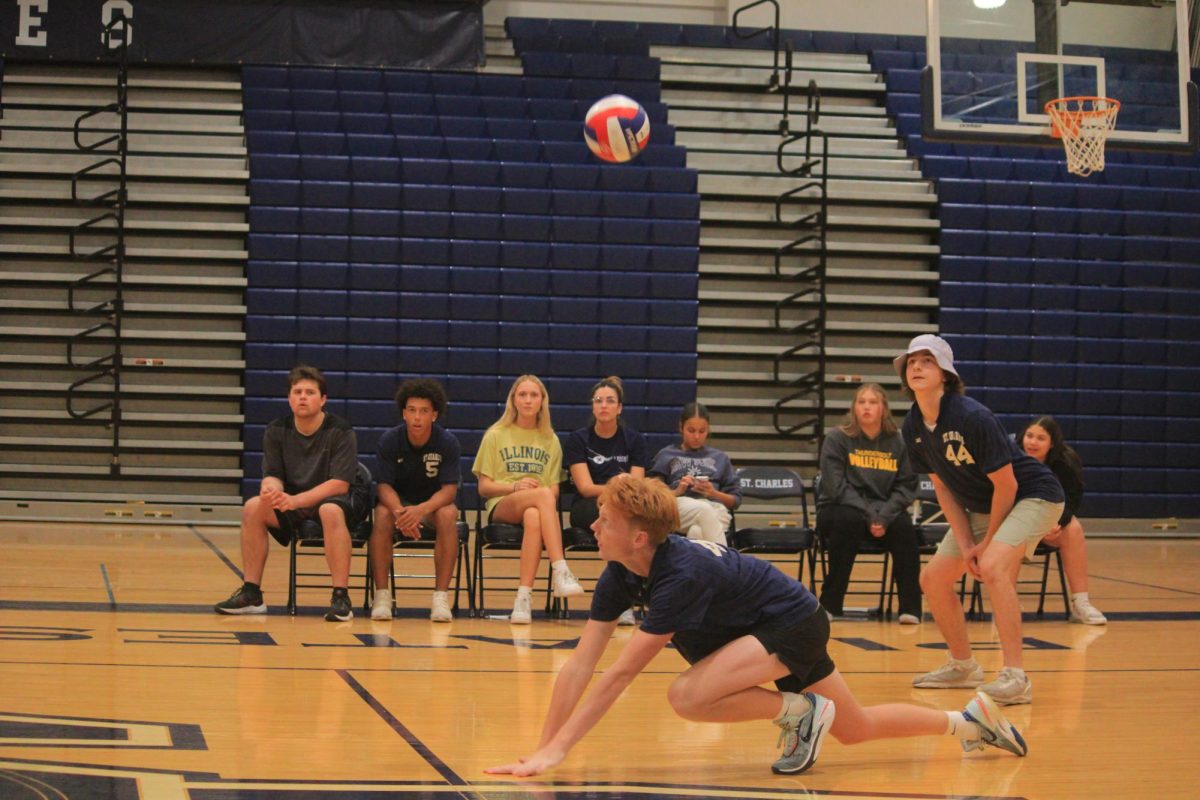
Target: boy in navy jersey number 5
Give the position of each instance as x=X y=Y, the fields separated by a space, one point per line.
x=999 y=502
x=740 y=623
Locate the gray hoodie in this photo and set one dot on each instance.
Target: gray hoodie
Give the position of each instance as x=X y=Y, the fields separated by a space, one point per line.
x=872 y=475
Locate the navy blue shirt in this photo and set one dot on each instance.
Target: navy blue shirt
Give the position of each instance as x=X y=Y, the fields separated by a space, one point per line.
x=699 y=590
x=967 y=444
x=605 y=458
x=417 y=473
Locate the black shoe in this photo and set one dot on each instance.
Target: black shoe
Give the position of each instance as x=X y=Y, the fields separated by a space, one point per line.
x=243 y=601
x=339 y=607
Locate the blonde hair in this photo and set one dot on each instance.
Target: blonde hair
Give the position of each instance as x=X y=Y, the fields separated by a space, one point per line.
x=509 y=418
x=647 y=502
x=850 y=425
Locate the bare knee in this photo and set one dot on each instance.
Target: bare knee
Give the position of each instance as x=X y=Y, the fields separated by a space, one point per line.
x=683 y=700
x=938 y=575
x=996 y=570
x=531 y=521
x=333 y=519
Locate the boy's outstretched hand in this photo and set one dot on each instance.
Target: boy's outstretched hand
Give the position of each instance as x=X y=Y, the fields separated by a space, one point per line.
x=535 y=764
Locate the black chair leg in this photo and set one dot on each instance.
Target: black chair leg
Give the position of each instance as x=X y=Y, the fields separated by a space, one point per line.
x=291 y=603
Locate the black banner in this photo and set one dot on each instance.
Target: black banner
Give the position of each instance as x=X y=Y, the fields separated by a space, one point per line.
x=429 y=34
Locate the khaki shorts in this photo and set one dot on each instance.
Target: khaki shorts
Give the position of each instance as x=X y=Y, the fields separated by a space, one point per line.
x=1026 y=524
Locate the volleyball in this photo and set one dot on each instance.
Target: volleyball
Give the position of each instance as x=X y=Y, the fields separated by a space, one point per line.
x=616 y=128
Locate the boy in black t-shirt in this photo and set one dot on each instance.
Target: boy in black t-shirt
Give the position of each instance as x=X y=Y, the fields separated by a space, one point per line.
x=310 y=468
x=740 y=623
x=999 y=502
x=417 y=480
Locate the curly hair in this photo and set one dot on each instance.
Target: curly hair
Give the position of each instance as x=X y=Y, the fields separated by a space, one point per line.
x=424 y=389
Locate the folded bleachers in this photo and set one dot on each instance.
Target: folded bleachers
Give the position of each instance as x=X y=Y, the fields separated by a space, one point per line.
x=456 y=225
x=1074 y=297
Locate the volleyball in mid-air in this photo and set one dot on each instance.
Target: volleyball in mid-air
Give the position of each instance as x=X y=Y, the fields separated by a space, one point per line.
x=616 y=128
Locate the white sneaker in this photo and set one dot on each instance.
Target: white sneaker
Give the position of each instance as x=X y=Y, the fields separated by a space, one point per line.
x=994 y=729
x=1009 y=688
x=565 y=584
x=910 y=619
x=626 y=619
x=381 y=604
x=951 y=676
x=522 y=613
x=1087 y=614
x=439 y=610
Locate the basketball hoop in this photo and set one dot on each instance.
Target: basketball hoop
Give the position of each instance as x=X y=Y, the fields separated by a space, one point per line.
x=1083 y=124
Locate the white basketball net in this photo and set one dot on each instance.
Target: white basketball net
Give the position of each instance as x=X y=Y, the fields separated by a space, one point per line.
x=1083 y=124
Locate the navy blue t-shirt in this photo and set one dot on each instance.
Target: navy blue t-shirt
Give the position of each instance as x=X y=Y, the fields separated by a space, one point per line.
x=417 y=473
x=701 y=590
x=966 y=446
x=605 y=458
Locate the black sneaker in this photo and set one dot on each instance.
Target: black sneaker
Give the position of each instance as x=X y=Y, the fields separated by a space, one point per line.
x=339 y=607
x=243 y=601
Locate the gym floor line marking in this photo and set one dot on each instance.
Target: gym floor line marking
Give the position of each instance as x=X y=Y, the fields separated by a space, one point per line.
x=1144 y=585
x=416 y=744
x=224 y=558
x=112 y=601
x=441 y=671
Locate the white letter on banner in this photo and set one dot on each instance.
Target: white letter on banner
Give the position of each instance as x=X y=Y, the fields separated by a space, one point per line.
x=106 y=16
x=27 y=36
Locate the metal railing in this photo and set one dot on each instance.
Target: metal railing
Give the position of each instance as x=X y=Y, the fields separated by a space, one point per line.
x=108 y=222
x=810 y=243
x=773 y=83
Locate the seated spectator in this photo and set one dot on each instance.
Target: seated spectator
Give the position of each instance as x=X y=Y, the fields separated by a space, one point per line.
x=866 y=488
x=605 y=448
x=701 y=477
x=416 y=483
x=519 y=465
x=1043 y=439
x=310 y=472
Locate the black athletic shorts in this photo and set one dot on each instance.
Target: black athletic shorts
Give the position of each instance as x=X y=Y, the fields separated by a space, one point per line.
x=803 y=649
x=355 y=505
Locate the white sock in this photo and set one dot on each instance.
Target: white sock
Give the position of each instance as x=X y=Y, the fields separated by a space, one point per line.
x=959 y=727
x=442 y=595
x=969 y=661
x=559 y=566
x=794 y=705
x=1080 y=597
x=524 y=591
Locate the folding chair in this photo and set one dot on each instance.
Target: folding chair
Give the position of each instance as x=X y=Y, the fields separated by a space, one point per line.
x=309 y=540
x=781 y=491
x=1033 y=586
x=422 y=549
x=497 y=541
x=872 y=548
x=575 y=541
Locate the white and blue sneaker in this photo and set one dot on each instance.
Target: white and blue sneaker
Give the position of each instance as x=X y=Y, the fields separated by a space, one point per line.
x=801 y=735
x=994 y=729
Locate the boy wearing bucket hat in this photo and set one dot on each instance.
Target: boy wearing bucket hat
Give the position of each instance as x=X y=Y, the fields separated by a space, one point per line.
x=999 y=503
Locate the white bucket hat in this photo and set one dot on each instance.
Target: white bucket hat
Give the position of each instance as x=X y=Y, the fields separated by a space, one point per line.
x=936 y=345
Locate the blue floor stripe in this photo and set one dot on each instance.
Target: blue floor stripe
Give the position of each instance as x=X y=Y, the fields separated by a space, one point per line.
x=217 y=550
x=416 y=744
x=112 y=601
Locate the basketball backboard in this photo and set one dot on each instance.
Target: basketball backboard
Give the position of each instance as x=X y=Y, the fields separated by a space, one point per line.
x=994 y=64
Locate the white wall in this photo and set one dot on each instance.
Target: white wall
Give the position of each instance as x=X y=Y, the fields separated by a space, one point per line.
x=1114 y=25
x=905 y=17
x=699 y=12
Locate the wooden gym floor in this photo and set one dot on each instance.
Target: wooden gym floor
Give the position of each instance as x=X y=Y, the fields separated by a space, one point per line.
x=119 y=682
